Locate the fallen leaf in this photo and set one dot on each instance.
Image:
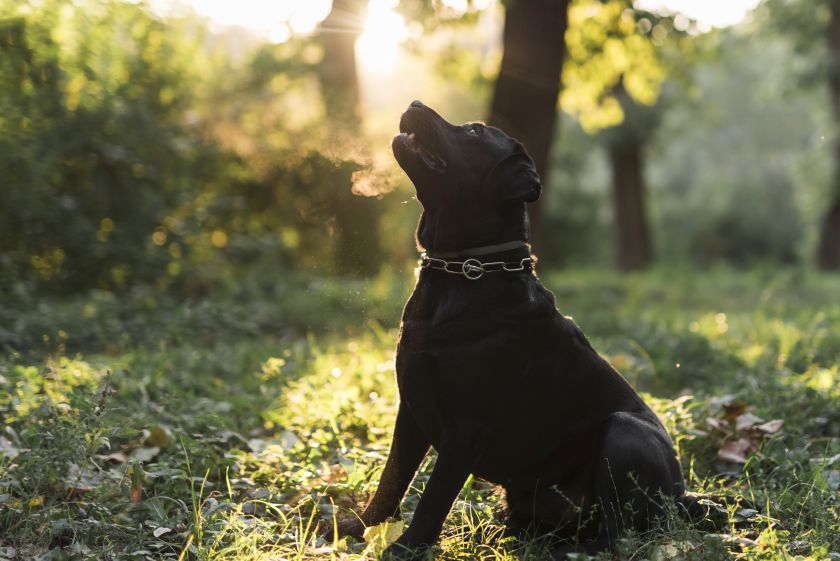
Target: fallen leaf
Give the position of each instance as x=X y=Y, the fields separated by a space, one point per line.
x=7 y=448
x=114 y=457
x=747 y=420
x=144 y=454
x=770 y=427
x=161 y=531
x=718 y=424
x=734 y=409
x=386 y=532
x=76 y=490
x=736 y=452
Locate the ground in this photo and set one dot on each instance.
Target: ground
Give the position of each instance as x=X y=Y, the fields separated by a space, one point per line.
x=145 y=427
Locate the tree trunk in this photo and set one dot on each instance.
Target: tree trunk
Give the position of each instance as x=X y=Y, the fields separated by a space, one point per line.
x=525 y=95
x=356 y=218
x=828 y=251
x=633 y=248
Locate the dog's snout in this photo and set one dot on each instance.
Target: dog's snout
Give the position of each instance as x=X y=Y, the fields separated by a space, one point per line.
x=417 y=103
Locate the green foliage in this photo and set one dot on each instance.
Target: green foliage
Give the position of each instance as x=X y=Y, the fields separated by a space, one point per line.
x=95 y=148
x=610 y=45
x=733 y=177
x=805 y=25
x=707 y=199
x=134 y=153
x=238 y=445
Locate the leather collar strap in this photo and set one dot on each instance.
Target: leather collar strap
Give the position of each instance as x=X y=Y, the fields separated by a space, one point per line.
x=473 y=269
x=482 y=250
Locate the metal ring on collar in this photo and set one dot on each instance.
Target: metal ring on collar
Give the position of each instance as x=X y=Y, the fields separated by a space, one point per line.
x=472 y=269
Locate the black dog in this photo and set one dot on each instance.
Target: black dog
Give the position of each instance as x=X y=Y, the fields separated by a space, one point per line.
x=490 y=374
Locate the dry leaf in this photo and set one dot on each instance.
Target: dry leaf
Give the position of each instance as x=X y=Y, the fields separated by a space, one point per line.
x=161 y=531
x=115 y=457
x=717 y=424
x=736 y=452
x=747 y=420
x=135 y=473
x=7 y=448
x=770 y=427
x=144 y=454
x=77 y=490
x=734 y=409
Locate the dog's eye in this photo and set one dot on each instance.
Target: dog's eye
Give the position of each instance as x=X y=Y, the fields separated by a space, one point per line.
x=472 y=131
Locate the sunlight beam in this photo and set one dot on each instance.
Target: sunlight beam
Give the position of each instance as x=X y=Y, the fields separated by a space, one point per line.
x=384 y=30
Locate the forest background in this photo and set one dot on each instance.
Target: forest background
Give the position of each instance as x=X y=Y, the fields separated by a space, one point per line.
x=205 y=245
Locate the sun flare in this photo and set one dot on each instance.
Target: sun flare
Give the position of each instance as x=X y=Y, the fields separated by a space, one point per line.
x=384 y=30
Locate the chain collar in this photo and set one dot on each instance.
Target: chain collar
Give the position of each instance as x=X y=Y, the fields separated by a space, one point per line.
x=473 y=269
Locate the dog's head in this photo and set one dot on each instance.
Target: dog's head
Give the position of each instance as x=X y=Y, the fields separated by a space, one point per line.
x=473 y=180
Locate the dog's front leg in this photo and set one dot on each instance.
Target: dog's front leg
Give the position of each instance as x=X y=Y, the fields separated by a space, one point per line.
x=448 y=476
x=408 y=448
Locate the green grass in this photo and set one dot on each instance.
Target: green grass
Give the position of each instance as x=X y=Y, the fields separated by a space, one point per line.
x=242 y=420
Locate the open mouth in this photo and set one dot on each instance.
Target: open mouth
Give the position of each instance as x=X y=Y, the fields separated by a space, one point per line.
x=421 y=147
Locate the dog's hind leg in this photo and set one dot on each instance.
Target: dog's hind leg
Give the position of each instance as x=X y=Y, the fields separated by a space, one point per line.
x=636 y=465
x=408 y=448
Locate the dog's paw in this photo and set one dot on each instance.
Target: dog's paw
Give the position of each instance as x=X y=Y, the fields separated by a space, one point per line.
x=350 y=526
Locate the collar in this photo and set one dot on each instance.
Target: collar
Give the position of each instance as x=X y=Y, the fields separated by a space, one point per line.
x=473 y=268
x=481 y=250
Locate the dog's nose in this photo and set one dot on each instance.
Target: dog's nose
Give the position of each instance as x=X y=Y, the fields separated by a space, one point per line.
x=417 y=103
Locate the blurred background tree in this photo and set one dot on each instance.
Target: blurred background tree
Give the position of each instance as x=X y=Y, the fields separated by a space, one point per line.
x=813 y=28
x=525 y=93
x=356 y=217
x=140 y=147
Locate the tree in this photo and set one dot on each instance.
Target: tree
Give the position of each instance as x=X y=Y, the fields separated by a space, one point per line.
x=525 y=94
x=356 y=217
x=828 y=251
x=625 y=144
x=619 y=57
x=814 y=28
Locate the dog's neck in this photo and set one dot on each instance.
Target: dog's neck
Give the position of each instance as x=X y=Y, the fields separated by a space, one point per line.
x=442 y=232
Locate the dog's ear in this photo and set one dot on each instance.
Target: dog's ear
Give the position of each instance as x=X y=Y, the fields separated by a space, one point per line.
x=515 y=178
